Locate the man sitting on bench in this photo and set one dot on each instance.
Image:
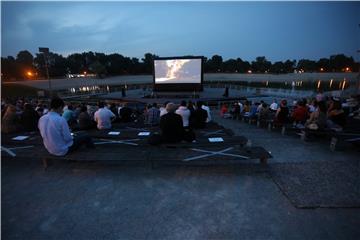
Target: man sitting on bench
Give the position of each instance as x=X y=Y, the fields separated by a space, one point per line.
x=56 y=133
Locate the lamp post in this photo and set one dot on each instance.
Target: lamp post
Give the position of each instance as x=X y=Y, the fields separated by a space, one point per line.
x=45 y=52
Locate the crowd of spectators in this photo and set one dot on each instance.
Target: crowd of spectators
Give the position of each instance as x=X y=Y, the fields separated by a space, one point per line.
x=317 y=113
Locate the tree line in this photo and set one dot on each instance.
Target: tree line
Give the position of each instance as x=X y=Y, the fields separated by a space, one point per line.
x=27 y=66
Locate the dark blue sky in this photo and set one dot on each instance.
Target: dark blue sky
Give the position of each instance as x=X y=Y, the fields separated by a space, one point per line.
x=277 y=30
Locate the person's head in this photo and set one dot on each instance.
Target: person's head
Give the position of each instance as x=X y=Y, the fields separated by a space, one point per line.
x=83 y=108
x=199 y=104
x=165 y=103
x=274 y=101
x=283 y=103
x=154 y=105
x=262 y=102
x=183 y=103
x=264 y=105
x=170 y=107
x=70 y=107
x=28 y=107
x=101 y=104
x=57 y=104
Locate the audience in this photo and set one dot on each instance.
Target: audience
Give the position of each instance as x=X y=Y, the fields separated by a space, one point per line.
x=171 y=125
x=10 y=120
x=184 y=112
x=317 y=118
x=29 y=118
x=198 y=117
x=153 y=115
x=300 y=113
x=125 y=113
x=282 y=114
x=84 y=121
x=163 y=109
x=56 y=134
x=336 y=115
x=103 y=117
x=207 y=109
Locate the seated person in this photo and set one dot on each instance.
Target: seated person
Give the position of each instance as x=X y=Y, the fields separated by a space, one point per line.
x=85 y=121
x=184 y=112
x=56 y=134
x=264 y=112
x=69 y=115
x=300 y=112
x=29 y=118
x=282 y=114
x=207 y=109
x=317 y=118
x=336 y=116
x=10 y=120
x=163 y=109
x=153 y=115
x=171 y=125
x=198 y=117
x=125 y=113
x=103 y=117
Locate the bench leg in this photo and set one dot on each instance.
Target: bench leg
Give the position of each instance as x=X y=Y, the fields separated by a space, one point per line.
x=263 y=160
x=333 y=143
x=283 y=130
x=45 y=162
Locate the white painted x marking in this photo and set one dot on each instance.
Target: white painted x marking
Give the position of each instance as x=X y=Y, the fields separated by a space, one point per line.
x=128 y=142
x=220 y=131
x=10 y=150
x=139 y=129
x=212 y=153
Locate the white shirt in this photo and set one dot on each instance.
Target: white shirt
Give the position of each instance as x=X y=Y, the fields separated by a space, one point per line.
x=103 y=118
x=55 y=133
x=163 y=111
x=274 y=106
x=207 y=109
x=184 y=112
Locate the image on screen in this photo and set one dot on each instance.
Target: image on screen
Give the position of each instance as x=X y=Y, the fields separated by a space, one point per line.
x=177 y=71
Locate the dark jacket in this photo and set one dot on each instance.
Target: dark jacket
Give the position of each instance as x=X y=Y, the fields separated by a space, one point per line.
x=198 y=118
x=172 y=129
x=85 y=121
x=125 y=114
x=29 y=120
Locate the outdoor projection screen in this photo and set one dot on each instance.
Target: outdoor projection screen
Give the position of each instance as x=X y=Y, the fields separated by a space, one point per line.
x=178 y=74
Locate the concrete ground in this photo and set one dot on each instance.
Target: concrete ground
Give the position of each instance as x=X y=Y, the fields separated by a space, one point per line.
x=109 y=201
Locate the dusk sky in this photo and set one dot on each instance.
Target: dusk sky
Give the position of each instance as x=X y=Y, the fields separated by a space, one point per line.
x=277 y=30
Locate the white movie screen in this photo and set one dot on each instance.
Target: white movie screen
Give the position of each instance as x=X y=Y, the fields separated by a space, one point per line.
x=177 y=71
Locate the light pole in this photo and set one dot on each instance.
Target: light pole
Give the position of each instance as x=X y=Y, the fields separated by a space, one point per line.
x=45 y=52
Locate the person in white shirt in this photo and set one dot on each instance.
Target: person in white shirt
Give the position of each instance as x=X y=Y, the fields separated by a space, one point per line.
x=56 y=134
x=103 y=117
x=274 y=106
x=163 y=110
x=207 y=109
x=184 y=112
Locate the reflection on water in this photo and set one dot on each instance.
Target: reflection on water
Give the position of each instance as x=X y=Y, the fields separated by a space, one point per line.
x=292 y=87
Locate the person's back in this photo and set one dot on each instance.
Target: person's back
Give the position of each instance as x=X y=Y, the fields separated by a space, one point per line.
x=85 y=121
x=29 y=118
x=10 y=121
x=300 y=114
x=282 y=114
x=103 y=117
x=198 y=118
x=184 y=112
x=55 y=133
x=171 y=127
x=207 y=109
x=68 y=114
x=153 y=115
x=125 y=114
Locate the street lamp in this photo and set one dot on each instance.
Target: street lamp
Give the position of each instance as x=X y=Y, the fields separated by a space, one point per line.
x=45 y=52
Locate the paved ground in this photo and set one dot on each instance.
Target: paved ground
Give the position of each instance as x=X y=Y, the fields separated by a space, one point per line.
x=93 y=201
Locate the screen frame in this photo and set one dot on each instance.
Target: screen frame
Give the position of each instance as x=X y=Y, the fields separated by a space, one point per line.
x=172 y=87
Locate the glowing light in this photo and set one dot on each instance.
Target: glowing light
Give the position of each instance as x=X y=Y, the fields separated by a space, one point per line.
x=249 y=71
x=321 y=69
x=85 y=72
x=343 y=85
x=347 y=69
x=331 y=82
x=318 y=85
x=29 y=73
